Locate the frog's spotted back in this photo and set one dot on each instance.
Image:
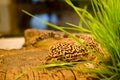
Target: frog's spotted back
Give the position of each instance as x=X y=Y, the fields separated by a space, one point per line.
x=67 y=51
x=72 y=51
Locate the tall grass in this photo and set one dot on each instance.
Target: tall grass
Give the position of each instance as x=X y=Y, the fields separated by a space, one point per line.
x=105 y=28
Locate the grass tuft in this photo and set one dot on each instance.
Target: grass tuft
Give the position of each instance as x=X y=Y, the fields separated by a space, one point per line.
x=105 y=27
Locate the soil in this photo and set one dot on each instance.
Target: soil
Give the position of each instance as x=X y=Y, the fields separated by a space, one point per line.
x=42 y=47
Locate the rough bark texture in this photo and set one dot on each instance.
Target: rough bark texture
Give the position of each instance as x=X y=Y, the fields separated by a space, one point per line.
x=42 y=47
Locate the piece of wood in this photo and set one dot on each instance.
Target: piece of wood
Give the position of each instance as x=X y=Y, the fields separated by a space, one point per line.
x=35 y=52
